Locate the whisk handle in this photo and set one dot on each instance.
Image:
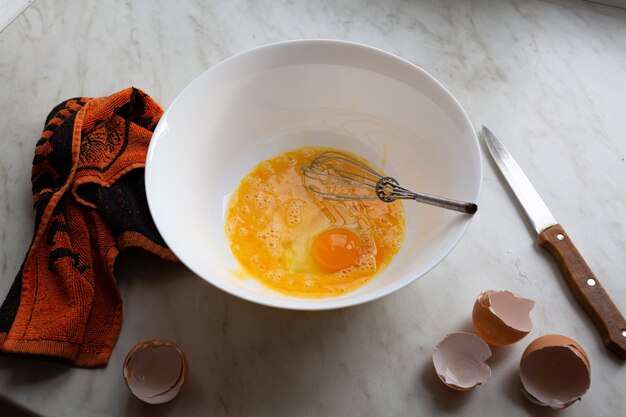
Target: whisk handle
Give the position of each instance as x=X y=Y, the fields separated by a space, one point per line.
x=388 y=190
x=447 y=203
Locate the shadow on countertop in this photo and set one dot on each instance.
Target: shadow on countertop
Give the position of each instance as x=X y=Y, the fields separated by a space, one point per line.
x=7 y=408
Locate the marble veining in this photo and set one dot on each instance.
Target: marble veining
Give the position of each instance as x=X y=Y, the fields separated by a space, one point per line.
x=547 y=77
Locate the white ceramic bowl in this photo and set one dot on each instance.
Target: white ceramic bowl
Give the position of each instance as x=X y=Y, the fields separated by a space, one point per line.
x=310 y=92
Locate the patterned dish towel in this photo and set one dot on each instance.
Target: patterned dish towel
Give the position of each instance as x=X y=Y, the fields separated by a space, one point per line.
x=90 y=204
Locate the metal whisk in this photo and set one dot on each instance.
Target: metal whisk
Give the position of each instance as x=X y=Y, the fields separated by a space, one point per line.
x=336 y=171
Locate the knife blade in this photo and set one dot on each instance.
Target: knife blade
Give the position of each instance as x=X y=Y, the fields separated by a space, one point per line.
x=551 y=236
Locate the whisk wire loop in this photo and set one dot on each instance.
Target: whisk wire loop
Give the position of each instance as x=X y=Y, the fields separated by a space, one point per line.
x=336 y=170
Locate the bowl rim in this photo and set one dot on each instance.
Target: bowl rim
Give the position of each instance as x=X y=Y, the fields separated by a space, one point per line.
x=315 y=304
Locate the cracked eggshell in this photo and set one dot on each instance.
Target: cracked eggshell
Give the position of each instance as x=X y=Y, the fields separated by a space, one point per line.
x=155 y=370
x=459 y=361
x=501 y=317
x=555 y=371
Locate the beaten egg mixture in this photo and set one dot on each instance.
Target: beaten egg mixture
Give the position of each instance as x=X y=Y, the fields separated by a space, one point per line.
x=297 y=243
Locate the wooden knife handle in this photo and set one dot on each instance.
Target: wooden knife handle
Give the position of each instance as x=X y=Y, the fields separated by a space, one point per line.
x=587 y=289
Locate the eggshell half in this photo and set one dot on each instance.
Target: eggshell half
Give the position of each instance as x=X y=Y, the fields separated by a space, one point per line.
x=155 y=370
x=555 y=371
x=501 y=317
x=459 y=361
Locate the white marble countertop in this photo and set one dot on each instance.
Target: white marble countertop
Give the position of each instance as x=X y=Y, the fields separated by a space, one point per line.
x=548 y=77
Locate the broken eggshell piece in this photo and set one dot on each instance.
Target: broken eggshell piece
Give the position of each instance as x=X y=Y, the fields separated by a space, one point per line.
x=501 y=317
x=459 y=361
x=155 y=370
x=555 y=371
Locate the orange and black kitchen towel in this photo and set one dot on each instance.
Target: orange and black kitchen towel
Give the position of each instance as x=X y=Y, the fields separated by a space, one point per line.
x=90 y=204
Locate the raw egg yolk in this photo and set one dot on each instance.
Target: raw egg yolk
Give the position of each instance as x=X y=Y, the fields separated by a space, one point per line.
x=336 y=249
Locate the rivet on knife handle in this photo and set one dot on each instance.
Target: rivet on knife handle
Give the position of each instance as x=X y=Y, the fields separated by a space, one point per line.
x=586 y=288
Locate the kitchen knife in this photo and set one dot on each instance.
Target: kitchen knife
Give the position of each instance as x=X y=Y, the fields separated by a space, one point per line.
x=552 y=237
